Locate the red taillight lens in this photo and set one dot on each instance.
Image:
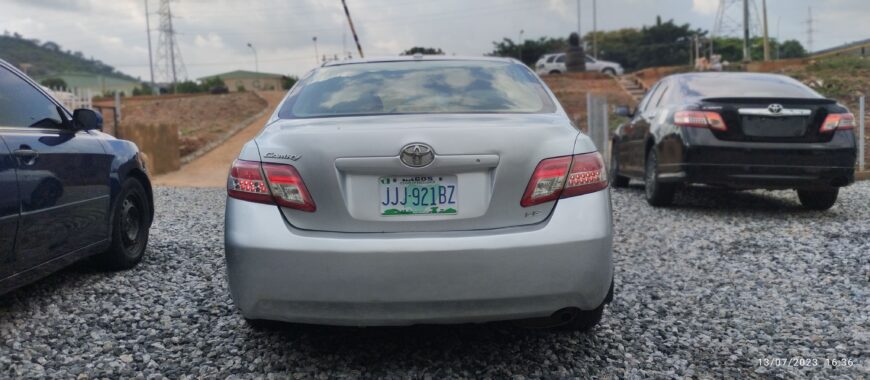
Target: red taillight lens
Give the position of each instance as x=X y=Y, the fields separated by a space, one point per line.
x=700 y=119
x=281 y=184
x=246 y=182
x=837 y=121
x=287 y=187
x=564 y=177
x=587 y=175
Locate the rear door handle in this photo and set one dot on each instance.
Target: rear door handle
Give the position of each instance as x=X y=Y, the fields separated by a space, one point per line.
x=27 y=154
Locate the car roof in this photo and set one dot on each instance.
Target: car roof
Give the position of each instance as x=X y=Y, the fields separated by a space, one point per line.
x=419 y=57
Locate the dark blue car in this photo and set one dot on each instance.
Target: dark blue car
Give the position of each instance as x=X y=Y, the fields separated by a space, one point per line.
x=67 y=190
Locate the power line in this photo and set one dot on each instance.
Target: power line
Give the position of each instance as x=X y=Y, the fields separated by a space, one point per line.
x=810 y=29
x=169 y=61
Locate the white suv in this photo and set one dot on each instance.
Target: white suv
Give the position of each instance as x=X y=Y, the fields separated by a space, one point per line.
x=555 y=64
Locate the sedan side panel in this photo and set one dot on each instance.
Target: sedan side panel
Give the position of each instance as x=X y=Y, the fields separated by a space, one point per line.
x=9 y=210
x=64 y=193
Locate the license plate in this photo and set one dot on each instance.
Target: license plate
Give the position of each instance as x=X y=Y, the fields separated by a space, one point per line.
x=418 y=195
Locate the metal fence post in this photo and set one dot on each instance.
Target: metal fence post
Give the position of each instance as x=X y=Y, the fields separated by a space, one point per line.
x=861 y=130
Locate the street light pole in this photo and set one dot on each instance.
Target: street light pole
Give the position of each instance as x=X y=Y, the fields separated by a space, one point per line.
x=316 y=55
x=520 y=44
x=579 y=29
x=594 y=29
x=256 y=61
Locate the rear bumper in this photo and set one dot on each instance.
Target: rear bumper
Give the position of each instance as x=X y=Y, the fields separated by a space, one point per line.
x=707 y=160
x=278 y=272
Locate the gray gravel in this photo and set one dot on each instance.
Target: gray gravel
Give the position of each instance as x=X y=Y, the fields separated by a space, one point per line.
x=704 y=289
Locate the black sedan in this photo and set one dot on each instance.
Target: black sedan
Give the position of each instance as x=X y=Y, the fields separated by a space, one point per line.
x=736 y=130
x=67 y=190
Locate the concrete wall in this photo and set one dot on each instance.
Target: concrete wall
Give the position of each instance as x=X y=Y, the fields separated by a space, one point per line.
x=158 y=142
x=252 y=84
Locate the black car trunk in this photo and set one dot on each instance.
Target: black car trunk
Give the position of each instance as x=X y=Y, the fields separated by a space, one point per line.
x=772 y=119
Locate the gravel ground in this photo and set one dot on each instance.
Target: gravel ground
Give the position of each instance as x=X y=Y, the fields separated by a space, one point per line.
x=704 y=289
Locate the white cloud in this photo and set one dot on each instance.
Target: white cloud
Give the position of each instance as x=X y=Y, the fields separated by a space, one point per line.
x=210 y=40
x=705 y=7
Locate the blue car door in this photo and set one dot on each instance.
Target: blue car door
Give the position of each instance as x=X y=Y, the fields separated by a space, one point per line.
x=63 y=175
x=8 y=210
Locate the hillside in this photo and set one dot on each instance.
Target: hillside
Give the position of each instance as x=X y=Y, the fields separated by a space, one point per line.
x=44 y=59
x=841 y=78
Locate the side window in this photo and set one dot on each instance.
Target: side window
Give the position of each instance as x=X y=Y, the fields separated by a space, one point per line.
x=643 y=103
x=561 y=59
x=661 y=96
x=589 y=59
x=551 y=59
x=21 y=105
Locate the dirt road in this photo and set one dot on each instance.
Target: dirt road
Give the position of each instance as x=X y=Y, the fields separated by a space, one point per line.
x=210 y=170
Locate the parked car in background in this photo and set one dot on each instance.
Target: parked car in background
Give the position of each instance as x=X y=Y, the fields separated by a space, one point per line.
x=555 y=64
x=67 y=190
x=736 y=130
x=420 y=190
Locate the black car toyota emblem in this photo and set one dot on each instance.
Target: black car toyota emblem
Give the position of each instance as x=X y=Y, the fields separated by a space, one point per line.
x=775 y=108
x=417 y=155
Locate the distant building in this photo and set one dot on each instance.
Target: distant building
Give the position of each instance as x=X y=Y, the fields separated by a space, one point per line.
x=857 y=48
x=98 y=84
x=248 y=80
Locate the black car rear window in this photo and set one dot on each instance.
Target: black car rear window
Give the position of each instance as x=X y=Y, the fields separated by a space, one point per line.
x=744 y=86
x=414 y=87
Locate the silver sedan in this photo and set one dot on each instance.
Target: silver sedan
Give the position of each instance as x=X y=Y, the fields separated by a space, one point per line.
x=420 y=190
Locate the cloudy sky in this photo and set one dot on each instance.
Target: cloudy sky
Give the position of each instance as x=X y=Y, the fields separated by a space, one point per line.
x=213 y=34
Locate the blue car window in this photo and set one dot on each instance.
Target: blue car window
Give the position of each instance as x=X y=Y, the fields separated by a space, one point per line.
x=23 y=106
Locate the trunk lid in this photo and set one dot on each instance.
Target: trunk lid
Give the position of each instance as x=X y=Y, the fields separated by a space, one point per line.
x=487 y=159
x=771 y=119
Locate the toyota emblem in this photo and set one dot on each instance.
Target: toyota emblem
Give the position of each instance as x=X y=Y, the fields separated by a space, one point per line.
x=774 y=108
x=417 y=155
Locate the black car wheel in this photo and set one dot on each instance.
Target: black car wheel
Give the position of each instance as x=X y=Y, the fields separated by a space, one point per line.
x=555 y=72
x=609 y=71
x=131 y=219
x=618 y=180
x=657 y=194
x=818 y=200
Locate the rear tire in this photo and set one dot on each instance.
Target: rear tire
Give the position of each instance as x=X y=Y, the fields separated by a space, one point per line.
x=609 y=71
x=555 y=72
x=657 y=194
x=618 y=180
x=131 y=219
x=818 y=199
x=584 y=320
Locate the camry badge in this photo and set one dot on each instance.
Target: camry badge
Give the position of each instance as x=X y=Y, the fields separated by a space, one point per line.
x=774 y=108
x=282 y=156
x=417 y=155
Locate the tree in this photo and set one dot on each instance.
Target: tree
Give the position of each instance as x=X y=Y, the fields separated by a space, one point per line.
x=792 y=49
x=531 y=49
x=422 y=50
x=54 y=83
x=208 y=83
x=187 y=87
x=143 y=89
x=288 y=81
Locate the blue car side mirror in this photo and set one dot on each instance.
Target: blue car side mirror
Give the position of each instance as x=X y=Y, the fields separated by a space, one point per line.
x=86 y=119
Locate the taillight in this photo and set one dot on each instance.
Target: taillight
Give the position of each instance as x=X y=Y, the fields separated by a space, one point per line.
x=836 y=121
x=700 y=119
x=246 y=182
x=565 y=177
x=287 y=187
x=281 y=185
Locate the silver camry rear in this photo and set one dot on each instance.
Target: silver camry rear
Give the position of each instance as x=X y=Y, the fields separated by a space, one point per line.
x=419 y=190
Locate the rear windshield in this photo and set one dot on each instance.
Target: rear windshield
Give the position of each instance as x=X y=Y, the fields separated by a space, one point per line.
x=744 y=86
x=415 y=87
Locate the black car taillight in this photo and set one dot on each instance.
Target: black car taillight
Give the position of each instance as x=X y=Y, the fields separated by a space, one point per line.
x=564 y=177
x=700 y=119
x=837 y=121
x=281 y=185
